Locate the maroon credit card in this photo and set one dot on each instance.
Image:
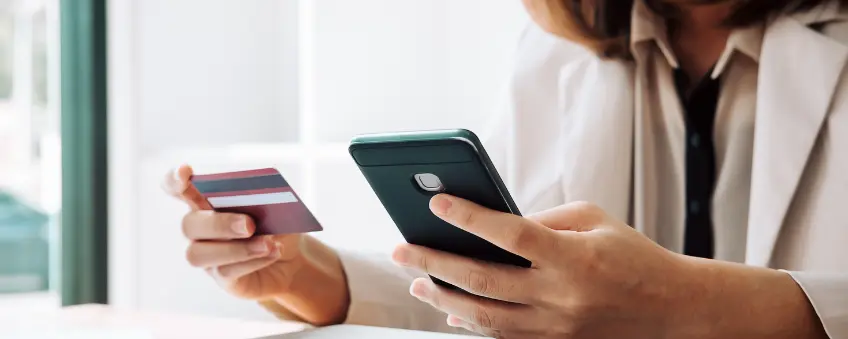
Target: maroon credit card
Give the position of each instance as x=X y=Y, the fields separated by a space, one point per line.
x=262 y=194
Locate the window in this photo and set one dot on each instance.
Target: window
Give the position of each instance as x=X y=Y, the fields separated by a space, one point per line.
x=227 y=85
x=30 y=191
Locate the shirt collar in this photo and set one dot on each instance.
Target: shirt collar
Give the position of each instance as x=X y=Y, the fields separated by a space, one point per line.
x=647 y=27
x=747 y=40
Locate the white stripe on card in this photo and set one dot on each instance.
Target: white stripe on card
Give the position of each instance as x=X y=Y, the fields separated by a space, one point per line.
x=252 y=200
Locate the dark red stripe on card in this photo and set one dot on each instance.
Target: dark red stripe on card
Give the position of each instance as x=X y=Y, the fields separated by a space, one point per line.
x=235 y=175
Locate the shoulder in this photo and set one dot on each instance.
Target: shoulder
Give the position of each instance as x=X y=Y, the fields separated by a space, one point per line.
x=829 y=19
x=545 y=60
x=540 y=52
x=537 y=42
x=837 y=30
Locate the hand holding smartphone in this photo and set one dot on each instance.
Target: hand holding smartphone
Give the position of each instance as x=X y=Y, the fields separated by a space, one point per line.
x=406 y=169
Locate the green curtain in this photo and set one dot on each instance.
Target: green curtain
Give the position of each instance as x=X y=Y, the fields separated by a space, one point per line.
x=84 y=163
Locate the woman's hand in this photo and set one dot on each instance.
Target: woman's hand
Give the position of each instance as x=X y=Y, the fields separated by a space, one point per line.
x=592 y=277
x=296 y=271
x=595 y=277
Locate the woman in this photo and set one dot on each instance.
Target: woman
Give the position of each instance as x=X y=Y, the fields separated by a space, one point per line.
x=716 y=129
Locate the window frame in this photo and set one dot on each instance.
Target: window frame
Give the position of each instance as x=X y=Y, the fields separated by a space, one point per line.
x=83 y=111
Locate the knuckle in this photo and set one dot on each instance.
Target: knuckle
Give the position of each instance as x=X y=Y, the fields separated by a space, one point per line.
x=192 y=256
x=579 y=307
x=224 y=274
x=468 y=218
x=523 y=237
x=424 y=263
x=195 y=224
x=480 y=283
x=591 y=213
x=592 y=257
x=436 y=301
x=185 y=223
x=220 y=275
x=239 y=250
x=483 y=318
x=585 y=206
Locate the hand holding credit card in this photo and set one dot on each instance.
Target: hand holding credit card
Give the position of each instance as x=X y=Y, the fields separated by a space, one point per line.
x=262 y=194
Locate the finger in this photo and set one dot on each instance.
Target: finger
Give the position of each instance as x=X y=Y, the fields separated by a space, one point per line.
x=233 y=272
x=178 y=184
x=483 y=312
x=220 y=253
x=454 y=321
x=513 y=233
x=576 y=216
x=496 y=281
x=210 y=225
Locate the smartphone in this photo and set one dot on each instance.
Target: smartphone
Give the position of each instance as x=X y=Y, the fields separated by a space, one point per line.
x=406 y=169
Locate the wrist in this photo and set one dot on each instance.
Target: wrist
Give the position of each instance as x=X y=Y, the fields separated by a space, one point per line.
x=718 y=299
x=318 y=293
x=689 y=312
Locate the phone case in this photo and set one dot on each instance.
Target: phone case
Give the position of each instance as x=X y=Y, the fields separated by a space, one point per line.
x=390 y=162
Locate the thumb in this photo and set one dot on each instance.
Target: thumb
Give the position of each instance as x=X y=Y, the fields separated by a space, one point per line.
x=177 y=183
x=576 y=216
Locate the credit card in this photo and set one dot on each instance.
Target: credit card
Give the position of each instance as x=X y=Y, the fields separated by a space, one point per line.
x=262 y=194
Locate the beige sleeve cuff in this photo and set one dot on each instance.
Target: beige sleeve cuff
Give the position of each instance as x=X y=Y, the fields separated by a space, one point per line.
x=379 y=296
x=828 y=293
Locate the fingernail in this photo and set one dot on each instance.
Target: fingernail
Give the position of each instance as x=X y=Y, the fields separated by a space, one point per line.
x=401 y=256
x=240 y=227
x=419 y=290
x=258 y=247
x=440 y=205
x=177 y=177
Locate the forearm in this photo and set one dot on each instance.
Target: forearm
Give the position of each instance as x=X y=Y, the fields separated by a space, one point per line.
x=319 y=292
x=728 y=300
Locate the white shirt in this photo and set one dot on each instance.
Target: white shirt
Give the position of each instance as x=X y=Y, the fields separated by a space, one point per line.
x=664 y=141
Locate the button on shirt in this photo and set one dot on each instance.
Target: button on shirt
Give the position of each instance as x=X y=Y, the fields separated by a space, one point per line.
x=670 y=150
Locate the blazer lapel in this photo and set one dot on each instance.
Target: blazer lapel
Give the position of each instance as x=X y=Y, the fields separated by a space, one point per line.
x=798 y=73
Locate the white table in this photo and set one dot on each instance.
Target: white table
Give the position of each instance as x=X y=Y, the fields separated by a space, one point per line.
x=100 y=322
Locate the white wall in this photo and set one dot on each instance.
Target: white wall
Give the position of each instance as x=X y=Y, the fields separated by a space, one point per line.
x=226 y=84
x=414 y=64
x=211 y=73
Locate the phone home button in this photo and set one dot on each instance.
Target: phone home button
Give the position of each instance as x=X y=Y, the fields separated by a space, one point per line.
x=429 y=182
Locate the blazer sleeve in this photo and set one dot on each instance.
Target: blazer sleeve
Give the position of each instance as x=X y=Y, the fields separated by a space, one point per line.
x=379 y=296
x=828 y=294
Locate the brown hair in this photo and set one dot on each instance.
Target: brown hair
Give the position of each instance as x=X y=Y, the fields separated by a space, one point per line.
x=604 y=25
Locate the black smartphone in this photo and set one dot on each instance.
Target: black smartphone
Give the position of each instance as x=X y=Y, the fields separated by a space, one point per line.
x=406 y=169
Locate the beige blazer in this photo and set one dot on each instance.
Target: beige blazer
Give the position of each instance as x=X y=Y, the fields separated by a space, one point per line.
x=568 y=134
